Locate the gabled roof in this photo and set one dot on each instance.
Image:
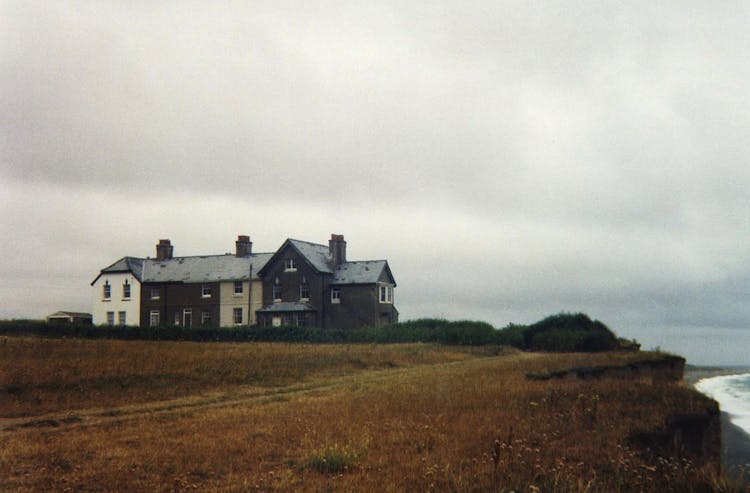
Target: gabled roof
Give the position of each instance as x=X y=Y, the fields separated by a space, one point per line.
x=317 y=255
x=205 y=268
x=125 y=264
x=362 y=272
x=358 y=272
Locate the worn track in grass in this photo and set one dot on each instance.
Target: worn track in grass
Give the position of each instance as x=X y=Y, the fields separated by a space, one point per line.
x=236 y=397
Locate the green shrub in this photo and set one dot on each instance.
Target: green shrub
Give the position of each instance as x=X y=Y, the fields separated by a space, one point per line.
x=569 y=332
x=333 y=460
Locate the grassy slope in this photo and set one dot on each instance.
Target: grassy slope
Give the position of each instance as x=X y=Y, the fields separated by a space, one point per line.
x=271 y=416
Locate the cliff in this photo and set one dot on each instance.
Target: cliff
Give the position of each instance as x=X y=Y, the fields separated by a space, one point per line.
x=694 y=436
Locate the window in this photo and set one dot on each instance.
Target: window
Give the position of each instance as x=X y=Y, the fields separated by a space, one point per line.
x=335 y=295
x=386 y=294
x=277 y=290
x=106 y=290
x=110 y=318
x=177 y=318
x=304 y=292
x=154 y=293
x=288 y=319
x=238 y=287
x=121 y=318
x=187 y=318
x=206 y=291
x=126 y=290
x=153 y=319
x=289 y=265
x=237 y=316
x=206 y=317
x=301 y=320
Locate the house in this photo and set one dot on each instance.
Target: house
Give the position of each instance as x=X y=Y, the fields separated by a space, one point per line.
x=65 y=317
x=301 y=283
x=206 y=290
x=117 y=293
x=308 y=284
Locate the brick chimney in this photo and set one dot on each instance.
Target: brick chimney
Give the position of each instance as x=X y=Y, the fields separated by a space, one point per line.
x=164 y=250
x=244 y=247
x=337 y=249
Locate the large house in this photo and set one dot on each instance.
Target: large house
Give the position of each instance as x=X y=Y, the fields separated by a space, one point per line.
x=206 y=290
x=300 y=284
x=310 y=284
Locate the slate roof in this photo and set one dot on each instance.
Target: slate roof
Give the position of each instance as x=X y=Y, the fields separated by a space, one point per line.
x=288 y=306
x=360 y=272
x=357 y=272
x=317 y=255
x=125 y=264
x=204 y=268
x=66 y=314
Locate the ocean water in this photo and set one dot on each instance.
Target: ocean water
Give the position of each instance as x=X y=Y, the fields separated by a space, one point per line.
x=732 y=392
x=702 y=346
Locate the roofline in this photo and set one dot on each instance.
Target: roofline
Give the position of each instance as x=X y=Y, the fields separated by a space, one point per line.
x=119 y=271
x=202 y=282
x=390 y=274
x=277 y=253
x=308 y=242
x=205 y=256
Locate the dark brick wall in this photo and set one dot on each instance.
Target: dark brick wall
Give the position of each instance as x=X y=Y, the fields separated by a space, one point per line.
x=359 y=303
x=290 y=283
x=175 y=298
x=359 y=307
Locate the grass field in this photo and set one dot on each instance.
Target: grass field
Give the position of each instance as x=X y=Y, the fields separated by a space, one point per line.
x=105 y=415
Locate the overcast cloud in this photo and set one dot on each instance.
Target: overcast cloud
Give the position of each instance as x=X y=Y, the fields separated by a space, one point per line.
x=509 y=159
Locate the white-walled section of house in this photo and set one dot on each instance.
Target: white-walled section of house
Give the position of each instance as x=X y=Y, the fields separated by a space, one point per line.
x=230 y=300
x=117 y=303
x=256 y=299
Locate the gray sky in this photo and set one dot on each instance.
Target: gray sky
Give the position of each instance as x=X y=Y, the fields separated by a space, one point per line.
x=510 y=159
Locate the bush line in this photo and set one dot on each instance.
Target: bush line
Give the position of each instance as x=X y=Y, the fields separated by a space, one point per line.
x=568 y=332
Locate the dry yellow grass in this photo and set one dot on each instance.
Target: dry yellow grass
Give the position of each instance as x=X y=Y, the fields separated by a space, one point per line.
x=47 y=375
x=394 y=418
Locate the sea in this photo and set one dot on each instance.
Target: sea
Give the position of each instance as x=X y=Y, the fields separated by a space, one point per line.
x=701 y=346
x=719 y=365
x=732 y=392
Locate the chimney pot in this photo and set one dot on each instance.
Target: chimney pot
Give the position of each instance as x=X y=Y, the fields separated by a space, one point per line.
x=164 y=250
x=243 y=246
x=337 y=249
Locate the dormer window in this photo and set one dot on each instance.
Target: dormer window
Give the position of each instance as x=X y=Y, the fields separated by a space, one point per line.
x=126 y=290
x=107 y=293
x=290 y=265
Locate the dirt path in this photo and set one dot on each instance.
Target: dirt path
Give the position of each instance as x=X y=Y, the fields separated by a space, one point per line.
x=99 y=416
x=239 y=396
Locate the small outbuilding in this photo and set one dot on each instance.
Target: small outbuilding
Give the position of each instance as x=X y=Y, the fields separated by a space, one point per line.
x=69 y=318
